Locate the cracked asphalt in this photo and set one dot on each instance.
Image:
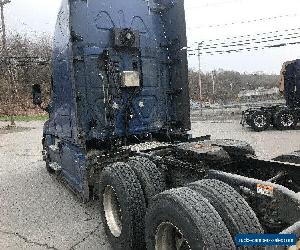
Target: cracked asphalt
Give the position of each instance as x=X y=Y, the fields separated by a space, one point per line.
x=38 y=212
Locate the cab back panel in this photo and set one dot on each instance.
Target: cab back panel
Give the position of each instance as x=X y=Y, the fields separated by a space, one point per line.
x=105 y=109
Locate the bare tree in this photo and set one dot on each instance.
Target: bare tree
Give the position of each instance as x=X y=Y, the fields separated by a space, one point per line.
x=25 y=70
x=225 y=86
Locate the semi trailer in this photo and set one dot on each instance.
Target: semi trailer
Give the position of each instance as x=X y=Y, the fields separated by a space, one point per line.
x=282 y=117
x=118 y=132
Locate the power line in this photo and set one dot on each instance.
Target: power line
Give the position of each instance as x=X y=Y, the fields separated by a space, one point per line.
x=221 y=52
x=259 y=41
x=282 y=44
x=207 y=47
x=249 y=35
x=248 y=38
x=245 y=21
x=24 y=60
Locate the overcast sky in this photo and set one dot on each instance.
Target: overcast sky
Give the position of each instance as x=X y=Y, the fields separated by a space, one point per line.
x=203 y=17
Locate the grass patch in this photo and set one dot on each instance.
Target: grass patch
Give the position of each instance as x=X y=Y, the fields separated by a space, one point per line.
x=25 y=118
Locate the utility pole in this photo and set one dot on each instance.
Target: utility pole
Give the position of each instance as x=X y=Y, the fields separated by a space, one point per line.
x=199 y=70
x=2 y=3
x=5 y=53
x=213 y=83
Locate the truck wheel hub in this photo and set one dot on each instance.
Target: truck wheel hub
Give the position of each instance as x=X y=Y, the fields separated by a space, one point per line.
x=112 y=211
x=169 y=237
x=287 y=120
x=260 y=121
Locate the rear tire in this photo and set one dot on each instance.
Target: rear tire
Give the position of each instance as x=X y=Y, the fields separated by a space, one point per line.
x=150 y=177
x=183 y=217
x=237 y=215
x=285 y=120
x=260 y=121
x=123 y=207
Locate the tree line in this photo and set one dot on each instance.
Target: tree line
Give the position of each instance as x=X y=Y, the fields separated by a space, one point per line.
x=25 y=63
x=17 y=77
x=223 y=86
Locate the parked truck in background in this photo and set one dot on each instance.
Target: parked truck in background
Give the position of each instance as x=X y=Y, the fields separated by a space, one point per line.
x=118 y=131
x=281 y=117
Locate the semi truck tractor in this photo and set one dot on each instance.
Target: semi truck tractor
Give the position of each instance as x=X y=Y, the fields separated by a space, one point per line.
x=119 y=132
x=282 y=117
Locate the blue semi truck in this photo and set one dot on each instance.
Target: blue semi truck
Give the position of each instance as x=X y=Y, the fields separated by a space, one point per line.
x=118 y=131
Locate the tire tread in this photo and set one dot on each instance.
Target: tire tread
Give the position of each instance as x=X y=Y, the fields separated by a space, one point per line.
x=232 y=207
x=149 y=175
x=126 y=178
x=209 y=223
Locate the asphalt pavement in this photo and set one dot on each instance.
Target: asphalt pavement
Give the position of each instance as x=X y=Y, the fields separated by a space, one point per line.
x=36 y=210
x=39 y=212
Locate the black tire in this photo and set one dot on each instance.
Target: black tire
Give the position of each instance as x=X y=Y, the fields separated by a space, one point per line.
x=237 y=215
x=121 y=196
x=48 y=168
x=191 y=216
x=285 y=120
x=260 y=121
x=247 y=117
x=149 y=175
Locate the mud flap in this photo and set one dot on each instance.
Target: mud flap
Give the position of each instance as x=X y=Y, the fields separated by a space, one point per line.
x=73 y=170
x=291 y=158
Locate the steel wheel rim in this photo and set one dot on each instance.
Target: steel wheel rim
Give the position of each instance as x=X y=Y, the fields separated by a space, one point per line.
x=260 y=121
x=287 y=120
x=112 y=211
x=169 y=237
